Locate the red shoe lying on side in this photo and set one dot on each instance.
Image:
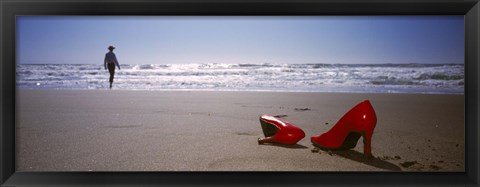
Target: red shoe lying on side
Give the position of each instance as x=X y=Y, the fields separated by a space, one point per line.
x=279 y=131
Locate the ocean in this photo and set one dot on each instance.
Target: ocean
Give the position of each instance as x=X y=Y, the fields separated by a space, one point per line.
x=356 y=78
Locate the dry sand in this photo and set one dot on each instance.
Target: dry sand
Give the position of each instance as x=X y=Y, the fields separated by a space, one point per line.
x=114 y=130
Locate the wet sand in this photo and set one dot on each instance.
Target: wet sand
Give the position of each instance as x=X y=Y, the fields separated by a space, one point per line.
x=119 y=130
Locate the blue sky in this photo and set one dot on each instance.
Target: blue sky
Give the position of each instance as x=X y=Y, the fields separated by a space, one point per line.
x=240 y=39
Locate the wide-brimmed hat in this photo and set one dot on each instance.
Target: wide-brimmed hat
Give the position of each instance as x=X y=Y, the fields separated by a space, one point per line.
x=111 y=47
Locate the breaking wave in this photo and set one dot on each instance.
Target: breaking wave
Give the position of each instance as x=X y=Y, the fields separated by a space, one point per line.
x=370 y=78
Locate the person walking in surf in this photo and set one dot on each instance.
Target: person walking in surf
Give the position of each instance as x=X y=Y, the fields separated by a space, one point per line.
x=111 y=62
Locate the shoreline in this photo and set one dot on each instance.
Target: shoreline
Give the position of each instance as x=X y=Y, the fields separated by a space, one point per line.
x=240 y=90
x=151 y=130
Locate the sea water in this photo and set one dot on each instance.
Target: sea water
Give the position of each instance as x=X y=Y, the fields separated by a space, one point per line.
x=357 y=78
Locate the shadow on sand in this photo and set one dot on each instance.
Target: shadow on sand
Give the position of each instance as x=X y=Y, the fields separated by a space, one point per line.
x=348 y=154
x=359 y=157
x=296 y=146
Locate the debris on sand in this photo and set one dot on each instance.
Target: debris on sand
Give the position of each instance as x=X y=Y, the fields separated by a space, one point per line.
x=389 y=158
x=302 y=109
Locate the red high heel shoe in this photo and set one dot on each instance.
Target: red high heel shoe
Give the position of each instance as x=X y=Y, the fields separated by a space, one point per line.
x=279 y=131
x=359 y=121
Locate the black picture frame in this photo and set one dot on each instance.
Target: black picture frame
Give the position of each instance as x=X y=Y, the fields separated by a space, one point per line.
x=11 y=8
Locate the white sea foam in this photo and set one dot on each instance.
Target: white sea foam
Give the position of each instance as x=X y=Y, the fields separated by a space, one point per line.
x=384 y=78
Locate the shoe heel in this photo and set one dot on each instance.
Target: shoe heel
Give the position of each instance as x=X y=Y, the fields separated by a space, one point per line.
x=367 y=144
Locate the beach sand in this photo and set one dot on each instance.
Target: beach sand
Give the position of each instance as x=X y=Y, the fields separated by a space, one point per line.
x=119 y=130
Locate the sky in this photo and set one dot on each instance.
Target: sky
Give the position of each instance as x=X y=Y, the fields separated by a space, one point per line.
x=241 y=39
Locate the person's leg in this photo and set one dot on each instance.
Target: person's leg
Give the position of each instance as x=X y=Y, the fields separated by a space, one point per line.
x=111 y=69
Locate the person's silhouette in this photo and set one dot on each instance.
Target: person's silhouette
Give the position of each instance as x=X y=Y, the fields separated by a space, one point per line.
x=111 y=62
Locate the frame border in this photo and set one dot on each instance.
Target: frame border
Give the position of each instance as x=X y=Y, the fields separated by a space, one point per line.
x=11 y=8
